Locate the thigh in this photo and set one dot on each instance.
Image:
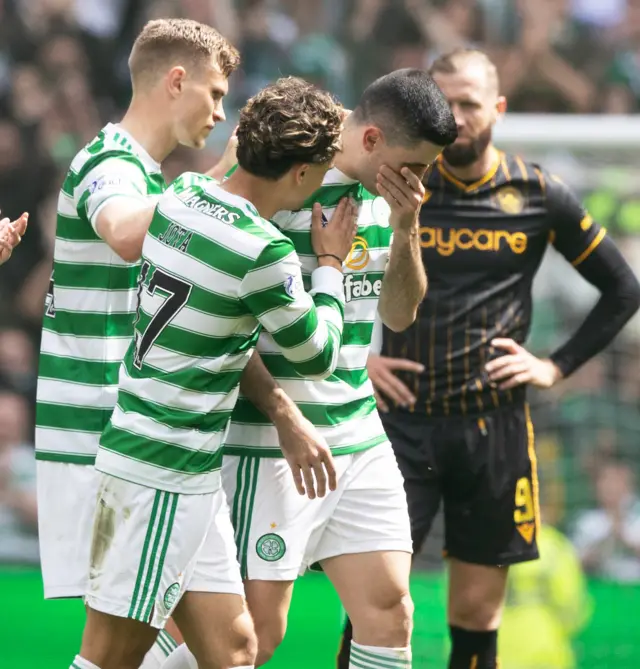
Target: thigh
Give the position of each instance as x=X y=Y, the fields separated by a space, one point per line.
x=216 y=567
x=415 y=448
x=370 y=514
x=66 y=507
x=269 y=603
x=144 y=548
x=491 y=491
x=273 y=523
x=112 y=642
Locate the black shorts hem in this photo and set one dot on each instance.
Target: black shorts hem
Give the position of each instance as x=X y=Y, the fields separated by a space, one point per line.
x=485 y=561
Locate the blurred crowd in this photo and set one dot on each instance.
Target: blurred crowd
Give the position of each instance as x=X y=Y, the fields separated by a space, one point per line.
x=63 y=74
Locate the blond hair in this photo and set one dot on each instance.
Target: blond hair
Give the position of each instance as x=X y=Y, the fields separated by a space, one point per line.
x=288 y=123
x=164 y=43
x=453 y=61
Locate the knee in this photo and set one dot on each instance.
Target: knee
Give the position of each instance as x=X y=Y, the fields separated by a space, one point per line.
x=237 y=648
x=244 y=643
x=270 y=635
x=475 y=609
x=386 y=621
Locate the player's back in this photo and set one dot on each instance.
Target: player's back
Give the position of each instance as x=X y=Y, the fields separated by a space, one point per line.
x=207 y=258
x=91 y=299
x=342 y=407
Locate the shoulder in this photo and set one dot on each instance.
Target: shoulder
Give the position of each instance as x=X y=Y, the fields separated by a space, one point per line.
x=187 y=180
x=548 y=181
x=109 y=165
x=518 y=170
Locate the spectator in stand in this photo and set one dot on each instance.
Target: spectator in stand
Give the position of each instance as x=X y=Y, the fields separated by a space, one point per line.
x=608 y=538
x=18 y=514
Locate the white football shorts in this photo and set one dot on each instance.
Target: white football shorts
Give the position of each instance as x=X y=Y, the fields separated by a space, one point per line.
x=66 y=506
x=145 y=549
x=280 y=534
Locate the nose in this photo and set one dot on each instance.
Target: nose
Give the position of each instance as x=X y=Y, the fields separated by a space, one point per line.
x=458 y=116
x=218 y=114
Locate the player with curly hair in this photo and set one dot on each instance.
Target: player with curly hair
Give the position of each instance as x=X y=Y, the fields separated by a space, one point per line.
x=214 y=272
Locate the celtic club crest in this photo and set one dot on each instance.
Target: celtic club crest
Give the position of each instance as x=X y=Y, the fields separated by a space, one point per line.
x=271 y=547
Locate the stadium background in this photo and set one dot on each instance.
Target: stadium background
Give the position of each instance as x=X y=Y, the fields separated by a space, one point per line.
x=63 y=74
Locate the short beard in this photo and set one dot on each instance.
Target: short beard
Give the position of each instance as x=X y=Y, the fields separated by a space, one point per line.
x=463 y=155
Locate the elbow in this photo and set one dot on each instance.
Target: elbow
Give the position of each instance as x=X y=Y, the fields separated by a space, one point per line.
x=320 y=375
x=125 y=243
x=398 y=322
x=634 y=297
x=320 y=369
x=398 y=316
x=128 y=247
x=629 y=297
x=128 y=253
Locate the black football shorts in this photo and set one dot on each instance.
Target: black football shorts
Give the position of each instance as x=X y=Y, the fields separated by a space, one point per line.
x=483 y=469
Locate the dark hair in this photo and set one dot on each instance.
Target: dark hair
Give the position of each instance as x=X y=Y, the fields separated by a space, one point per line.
x=408 y=106
x=288 y=123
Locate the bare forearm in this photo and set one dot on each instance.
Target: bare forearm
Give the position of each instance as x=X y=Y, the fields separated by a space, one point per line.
x=263 y=391
x=405 y=282
x=123 y=225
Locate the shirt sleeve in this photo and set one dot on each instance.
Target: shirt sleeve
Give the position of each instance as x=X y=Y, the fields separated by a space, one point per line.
x=573 y=232
x=595 y=256
x=307 y=327
x=115 y=177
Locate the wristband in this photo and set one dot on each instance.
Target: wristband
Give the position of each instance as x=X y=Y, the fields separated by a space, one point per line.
x=330 y=255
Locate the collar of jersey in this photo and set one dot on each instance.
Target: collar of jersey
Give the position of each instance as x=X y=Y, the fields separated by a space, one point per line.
x=469 y=187
x=335 y=177
x=234 y=200
x=150 y=164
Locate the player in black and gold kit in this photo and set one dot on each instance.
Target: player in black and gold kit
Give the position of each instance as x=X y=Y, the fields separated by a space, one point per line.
x=459 y=423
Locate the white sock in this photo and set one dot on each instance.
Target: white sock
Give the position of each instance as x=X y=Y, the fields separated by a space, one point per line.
x=180 y=658
x=81 y=663
x=183 y=658
x=163 y=646
x=372 y=657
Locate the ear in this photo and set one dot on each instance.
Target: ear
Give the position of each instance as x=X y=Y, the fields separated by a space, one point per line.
x=371 y=137
x=300 y=173
x=501 y=106
x=175 y=80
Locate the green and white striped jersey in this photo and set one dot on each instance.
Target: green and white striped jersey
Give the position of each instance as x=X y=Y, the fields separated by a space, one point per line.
x=91 y=300
x=213 y=273
x=342 y=406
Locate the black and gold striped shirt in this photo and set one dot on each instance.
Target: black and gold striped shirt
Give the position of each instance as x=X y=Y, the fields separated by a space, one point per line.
x=482 y=244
